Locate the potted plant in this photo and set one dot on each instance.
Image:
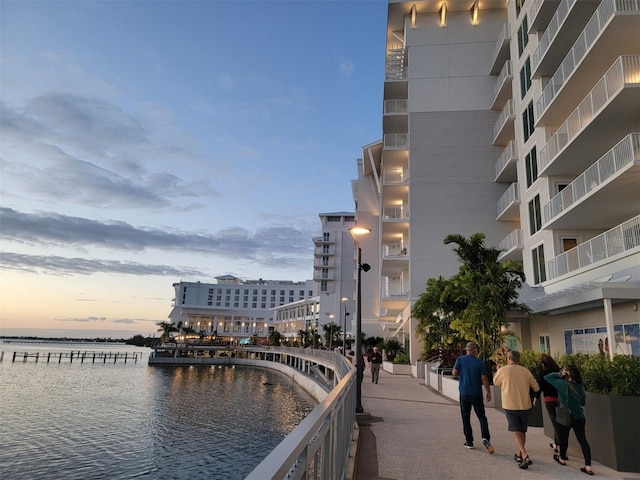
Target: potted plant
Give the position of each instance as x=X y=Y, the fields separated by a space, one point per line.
x=612 y=408
x=391 y=348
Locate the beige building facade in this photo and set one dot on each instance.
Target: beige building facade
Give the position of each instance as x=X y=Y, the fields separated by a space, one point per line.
x=520 y=120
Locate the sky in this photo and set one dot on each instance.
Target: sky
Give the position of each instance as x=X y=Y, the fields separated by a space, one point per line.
x=147 y=142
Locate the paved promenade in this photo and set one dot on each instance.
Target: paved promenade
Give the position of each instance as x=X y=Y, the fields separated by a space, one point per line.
x=414 y=433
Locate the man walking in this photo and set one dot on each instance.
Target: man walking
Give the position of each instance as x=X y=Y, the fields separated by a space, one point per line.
x=375 y=360
x=472 y=375
x=515 y=382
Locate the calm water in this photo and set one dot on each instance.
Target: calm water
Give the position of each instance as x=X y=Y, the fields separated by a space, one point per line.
x=116 y=421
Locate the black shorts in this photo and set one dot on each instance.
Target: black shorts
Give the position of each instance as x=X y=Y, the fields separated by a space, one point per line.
x=517 y=420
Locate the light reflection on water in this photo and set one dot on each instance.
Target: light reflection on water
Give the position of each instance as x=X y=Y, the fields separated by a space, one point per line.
x=120 y=421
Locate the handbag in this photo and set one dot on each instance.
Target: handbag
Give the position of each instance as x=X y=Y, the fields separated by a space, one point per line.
x=563 y=415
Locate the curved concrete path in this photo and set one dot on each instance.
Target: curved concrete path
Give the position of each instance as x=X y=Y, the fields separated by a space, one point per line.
x=411 y=432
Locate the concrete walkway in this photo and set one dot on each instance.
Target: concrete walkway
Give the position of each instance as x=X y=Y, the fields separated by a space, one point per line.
x=411 y=432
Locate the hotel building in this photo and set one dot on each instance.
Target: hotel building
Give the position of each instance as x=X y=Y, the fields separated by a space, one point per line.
x=521 y=120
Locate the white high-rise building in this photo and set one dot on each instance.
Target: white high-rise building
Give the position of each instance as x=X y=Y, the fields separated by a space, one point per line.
x=520 y=120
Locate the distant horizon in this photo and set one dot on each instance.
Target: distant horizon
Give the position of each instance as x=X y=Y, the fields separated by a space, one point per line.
x=73 y=334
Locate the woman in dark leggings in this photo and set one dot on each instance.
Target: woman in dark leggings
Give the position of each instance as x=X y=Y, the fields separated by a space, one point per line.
x=549 y=394
x=571 y=393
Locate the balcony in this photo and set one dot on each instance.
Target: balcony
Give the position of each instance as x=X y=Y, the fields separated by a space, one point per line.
x=395 y=176
x=394 y=251
x=502 y=90
x=609 y=34
x=396 y=65
x=392 y=107
x=509 y=203
x=541 y=13
x=564 y=27
x=391 y=213
x=503 y=128
x=501 y=50
x=396 y=141
x=319 y=263
x=506 y=166
x=394 y=294
x=511 y=246
x=609 y=111
x=605 y=193
x=319 y=241
x=619 y=240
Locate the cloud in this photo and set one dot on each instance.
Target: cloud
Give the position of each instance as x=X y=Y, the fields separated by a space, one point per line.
x=105 y=320
x=274 y=245
x=347 y=67
x=69 y=148
x=64 y=266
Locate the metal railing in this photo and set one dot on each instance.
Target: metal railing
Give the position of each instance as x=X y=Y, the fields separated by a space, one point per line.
x=618 y=240
x=396 y=140
x=605 y=12
x=395 y=106
x=318 y=447
x=395 y=175
x=552 y=30
x=625 y=70
x=614 y=161
x=506 y=114
x=508 y=155
x=511 y=241
x=511 y=196
x=505 y=36
x=394 y=212
x=505 y=74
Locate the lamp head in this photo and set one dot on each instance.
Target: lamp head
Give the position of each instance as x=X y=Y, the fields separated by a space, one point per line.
x=365 y=267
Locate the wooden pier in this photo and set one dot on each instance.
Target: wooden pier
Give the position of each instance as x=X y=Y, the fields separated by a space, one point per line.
x=78 y=356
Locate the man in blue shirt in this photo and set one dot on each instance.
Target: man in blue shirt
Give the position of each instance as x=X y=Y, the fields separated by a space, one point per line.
x=472 y=375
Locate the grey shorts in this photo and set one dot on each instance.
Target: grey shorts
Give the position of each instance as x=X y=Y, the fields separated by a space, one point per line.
x=517 y=420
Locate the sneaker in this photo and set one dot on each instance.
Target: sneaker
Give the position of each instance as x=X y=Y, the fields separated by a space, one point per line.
x=468 y=445
x=487 y=445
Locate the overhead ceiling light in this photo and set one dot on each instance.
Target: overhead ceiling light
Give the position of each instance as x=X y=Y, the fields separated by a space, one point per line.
x=414 y=13
x=443 y=14
x=474 y=13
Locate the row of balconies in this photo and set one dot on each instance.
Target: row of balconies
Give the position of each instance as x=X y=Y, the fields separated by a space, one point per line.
x=615 y=96
x=624 y=157
x=620 y=239
x=614 y=23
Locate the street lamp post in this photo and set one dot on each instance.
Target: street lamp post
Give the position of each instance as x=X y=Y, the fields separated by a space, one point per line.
x=355 y=231
x=344 y=330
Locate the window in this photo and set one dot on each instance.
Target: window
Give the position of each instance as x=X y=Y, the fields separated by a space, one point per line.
x=569 y=243
x=325 y=249
x=528 y=122
x=539 y=271
x=325 y=237
x=535 y=218
x=519 y=5
x=523 y=36
x=592 y=340
x=525 y=77
x=531 y=166
x=323 y=286
x=545 y=345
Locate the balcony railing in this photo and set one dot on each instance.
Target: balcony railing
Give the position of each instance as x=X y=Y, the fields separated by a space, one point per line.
x=552 y=30
x=501 y=44
x=396 y=140
x=508 y=155
x=394 y=250
x=506 y=114
x=511 y=241
x=510 y=197
x=606 y=10
x=625 y=70
x=505 y=74
x=394 y=212
x=615 y=160
x=394 y=288
x=395 y=68
x=620 y=239
x=395 y=106
x=395 y=175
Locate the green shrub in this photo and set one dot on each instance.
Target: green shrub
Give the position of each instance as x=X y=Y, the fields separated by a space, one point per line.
x=625 y=375
x=531 y=360
x=401 y=358
x=601 y=375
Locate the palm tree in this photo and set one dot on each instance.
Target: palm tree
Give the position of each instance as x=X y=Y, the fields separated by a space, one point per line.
x=331 y=333
x=167 y=328
x=275 y=338
x=474 y=303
